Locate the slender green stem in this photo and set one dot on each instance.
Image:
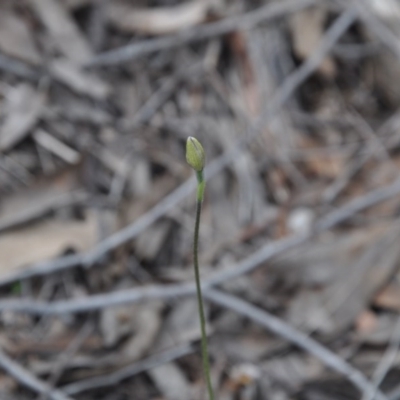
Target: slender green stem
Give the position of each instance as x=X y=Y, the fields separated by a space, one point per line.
x=204 y=346
x=201 y=185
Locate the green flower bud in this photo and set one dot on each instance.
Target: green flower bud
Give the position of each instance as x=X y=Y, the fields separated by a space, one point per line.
x=195 y=155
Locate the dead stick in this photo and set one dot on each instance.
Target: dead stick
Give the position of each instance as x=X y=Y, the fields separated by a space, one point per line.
x=198 y=33
x=188 y=289
x=112 y=379
x=24 y=377
x=292 y=82
x=284 y=330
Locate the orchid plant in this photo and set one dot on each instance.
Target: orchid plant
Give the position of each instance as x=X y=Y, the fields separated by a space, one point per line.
x=195 y=156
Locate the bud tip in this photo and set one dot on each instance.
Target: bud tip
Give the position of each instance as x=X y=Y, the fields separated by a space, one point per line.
x=195 y=155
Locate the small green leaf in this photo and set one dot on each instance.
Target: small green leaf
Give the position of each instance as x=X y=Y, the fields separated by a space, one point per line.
x=195 y=155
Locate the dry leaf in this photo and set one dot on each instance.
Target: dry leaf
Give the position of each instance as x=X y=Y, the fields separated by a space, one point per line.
x=55 y=146
x=40 y=198
x=115 y=322
x=171 y=381
x=247 y=347
x=7 y=386
x=181 y=326
x=243 y=375
x=291 y=370
x=238 y=42
x=44 y=240
x=366 y=322
x=329 y=167
x=389 y=297
x=350 y=294
x=157 y=21
x=23 y=109
x=63 y=30
x=307 y=28
x=146 y=325
x=388 y=9
x=351 y=269
x=382 y=330
x=78 y=80
x=15 y=38
x=307 y=311
x=149 y=243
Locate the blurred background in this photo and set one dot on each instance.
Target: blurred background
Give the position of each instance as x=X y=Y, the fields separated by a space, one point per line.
x=296 y=103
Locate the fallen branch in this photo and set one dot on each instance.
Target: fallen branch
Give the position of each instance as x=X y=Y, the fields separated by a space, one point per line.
x=116 y=377
x=24 y=377
x=282 y=329
x=18 y=68
x=385 y=35
x=196 y=34
x=188 y=289
x=292 y=82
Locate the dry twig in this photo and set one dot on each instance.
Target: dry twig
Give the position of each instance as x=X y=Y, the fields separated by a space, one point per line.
x=386 y=362
x=293 y=81
x=296 y=337
x=384 y=34
x=27 y=379
x=18 y=68
x=188 y=289
x=247 y=21
x=129 y=371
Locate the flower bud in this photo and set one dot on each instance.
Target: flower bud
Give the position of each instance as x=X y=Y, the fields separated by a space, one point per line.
x=195 y=155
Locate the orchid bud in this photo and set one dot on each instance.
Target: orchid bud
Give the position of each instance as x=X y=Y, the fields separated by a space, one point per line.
x=195 y=155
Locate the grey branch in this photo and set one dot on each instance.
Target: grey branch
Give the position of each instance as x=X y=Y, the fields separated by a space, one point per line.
x=18 y=68
x=128 y=371
x=282 y=329
x=247 y=21
x=188 y=289
x=293 y=81
x=24 y=377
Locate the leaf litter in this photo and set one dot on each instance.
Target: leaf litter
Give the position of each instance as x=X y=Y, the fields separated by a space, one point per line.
x=88 y=151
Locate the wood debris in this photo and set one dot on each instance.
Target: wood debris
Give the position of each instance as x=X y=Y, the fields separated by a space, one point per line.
x=297 y=106
x=157 y=21
x=78 y=80
x=15 y=38
x=23 y=108
x=63 y=30
x=44 y=241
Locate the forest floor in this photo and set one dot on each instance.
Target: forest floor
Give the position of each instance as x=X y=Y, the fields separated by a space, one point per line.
x=297 y=105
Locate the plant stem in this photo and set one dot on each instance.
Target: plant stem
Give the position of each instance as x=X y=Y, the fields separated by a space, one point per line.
x=204 y=346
